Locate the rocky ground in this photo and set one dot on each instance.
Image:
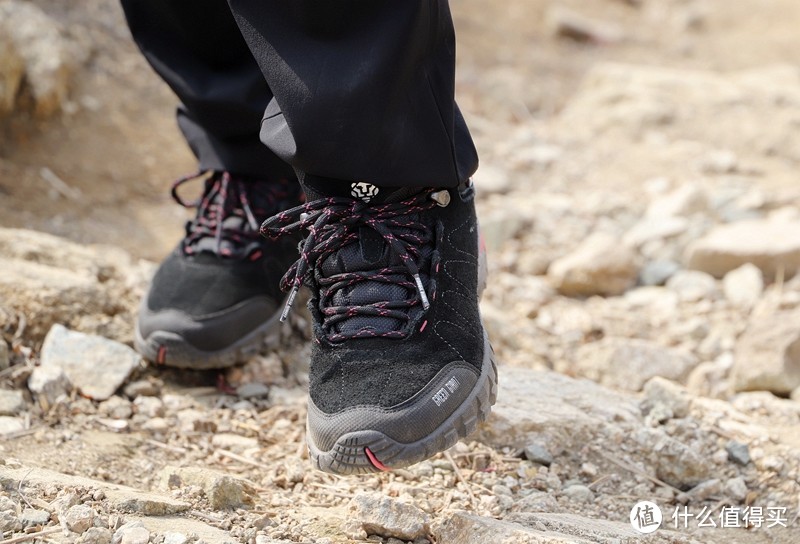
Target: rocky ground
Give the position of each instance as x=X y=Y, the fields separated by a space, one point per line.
x=639 y=202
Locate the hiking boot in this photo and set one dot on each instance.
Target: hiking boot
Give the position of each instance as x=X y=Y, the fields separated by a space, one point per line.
x=401 y=367
x=216 y=298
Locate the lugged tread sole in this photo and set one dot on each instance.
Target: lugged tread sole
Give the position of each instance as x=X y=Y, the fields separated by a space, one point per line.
x=349 y=455
x=171 y=349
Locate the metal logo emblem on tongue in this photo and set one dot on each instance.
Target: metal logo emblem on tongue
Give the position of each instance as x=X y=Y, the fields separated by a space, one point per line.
x=363 y=190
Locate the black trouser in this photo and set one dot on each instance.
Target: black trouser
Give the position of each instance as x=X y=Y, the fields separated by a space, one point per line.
x=346 y=89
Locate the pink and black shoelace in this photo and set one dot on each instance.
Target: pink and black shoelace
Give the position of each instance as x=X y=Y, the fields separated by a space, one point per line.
x=226 y=222
x=336 y=222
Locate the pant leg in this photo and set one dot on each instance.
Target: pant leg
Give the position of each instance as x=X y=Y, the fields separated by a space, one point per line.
x=196 y=47
x=363 y=89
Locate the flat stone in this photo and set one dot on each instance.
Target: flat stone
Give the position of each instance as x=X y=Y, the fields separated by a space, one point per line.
x=557 y=411
x=468 y=527
x=767 y=356
x=600 y=265
x=542 y=528
x=223 y=491
x=11 y=402
x=376 y=514
x=769 y=245
x=95 y=365
x=52 y=280
x=627 y=364
x=122 y=498
x=577 y=529
x=185 y=526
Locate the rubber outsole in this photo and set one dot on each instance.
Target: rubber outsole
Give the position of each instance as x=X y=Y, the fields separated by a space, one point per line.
x=171 y=349
x=370 y=451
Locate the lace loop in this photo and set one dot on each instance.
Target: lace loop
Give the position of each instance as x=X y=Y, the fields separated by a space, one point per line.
x=335 y=222
x=226 y=223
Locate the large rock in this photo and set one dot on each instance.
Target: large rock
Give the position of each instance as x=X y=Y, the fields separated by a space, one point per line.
x=768 y=354
x=554 y=410
x=598 y=266
x=52 y=280
x=120 y=497
x=95 y=365
x=223 y=491
x=734 y=110
x=47 y=57
x=541 y=528
x=772 y=246
x=467 y=527
x=12 y=69
x=627 y=364
x=375 y=514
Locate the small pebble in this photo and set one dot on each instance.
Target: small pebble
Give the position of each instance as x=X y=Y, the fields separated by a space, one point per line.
x=538 y=454
x=252 y=390
x=738 y=453
x=579 y=493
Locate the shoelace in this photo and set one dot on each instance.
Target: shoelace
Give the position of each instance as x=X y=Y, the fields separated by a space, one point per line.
x=227 y=196
x=333 y=223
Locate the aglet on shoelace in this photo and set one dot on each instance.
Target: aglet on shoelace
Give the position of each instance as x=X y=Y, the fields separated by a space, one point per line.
x=344 y=216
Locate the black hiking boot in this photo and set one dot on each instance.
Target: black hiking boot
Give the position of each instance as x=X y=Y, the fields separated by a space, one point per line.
x=216 y=298
x=401 y=367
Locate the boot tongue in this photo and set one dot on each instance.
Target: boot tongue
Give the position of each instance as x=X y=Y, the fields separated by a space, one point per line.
x=369 y=253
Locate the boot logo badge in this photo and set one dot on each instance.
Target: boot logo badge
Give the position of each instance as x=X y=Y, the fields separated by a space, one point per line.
x=363 y=190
